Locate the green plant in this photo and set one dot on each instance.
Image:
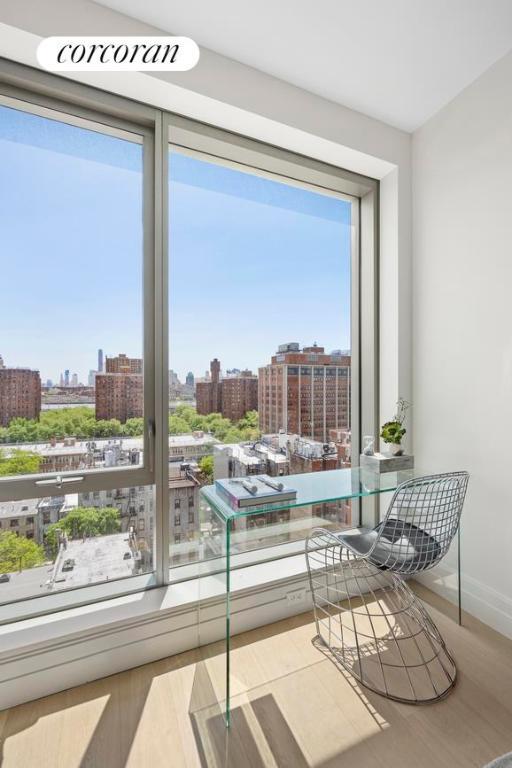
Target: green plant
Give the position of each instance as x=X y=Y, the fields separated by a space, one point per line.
x=394 y=430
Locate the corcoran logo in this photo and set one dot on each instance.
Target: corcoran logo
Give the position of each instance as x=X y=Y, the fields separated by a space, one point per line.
x=117 y=54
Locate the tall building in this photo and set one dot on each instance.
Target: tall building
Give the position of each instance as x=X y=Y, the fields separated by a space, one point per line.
x=232 y=396
x=119 y=396
x=74 y=380
x=189 y=381
x=123 y=364
x=100 y=361
x=2 y=365
x=20 y=394
x=305 y=392
x=209 y=393
x=66 y=378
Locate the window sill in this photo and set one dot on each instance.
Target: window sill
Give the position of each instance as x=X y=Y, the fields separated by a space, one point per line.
x=251 y=586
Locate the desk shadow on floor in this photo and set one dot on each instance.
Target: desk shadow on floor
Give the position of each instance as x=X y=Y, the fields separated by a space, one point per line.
x=259 y=734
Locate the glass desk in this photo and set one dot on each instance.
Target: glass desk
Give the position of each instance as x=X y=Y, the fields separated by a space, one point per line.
x=315 y=490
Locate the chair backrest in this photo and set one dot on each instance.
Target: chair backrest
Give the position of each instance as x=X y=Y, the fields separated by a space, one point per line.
x=421 y=521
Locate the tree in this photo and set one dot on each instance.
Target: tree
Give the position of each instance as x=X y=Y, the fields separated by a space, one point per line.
x=84 y=521
x=134 y=427
x=17 y=552
x=20 y=463
x=206 y=468
x=178 y=425
x=80 y=422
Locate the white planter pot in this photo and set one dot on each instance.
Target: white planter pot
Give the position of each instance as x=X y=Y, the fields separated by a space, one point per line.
x=393 y=449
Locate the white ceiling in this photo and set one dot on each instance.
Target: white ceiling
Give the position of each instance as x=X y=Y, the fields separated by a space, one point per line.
x=397 y=60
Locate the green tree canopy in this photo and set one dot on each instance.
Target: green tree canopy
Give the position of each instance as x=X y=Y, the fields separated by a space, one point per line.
x=18 y=553
x=84 y=521
x=19 y=463
x=80 y=422
x=206 y=468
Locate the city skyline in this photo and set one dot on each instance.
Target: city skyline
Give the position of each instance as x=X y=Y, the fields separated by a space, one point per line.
x=181 y=377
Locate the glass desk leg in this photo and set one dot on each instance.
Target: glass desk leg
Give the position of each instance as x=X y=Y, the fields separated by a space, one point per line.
x=227 y=711
x=210 y=699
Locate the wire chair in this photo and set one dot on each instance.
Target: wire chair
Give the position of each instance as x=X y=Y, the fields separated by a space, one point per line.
x=366 y=614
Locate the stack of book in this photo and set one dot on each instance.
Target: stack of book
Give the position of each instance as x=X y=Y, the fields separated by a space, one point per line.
x=254 y=491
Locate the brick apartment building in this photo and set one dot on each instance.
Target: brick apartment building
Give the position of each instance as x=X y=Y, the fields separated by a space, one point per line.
x=305 y=392
x=119 y=396
x=232 y=396
x=123 y=364
x=20 y=394
x=239 y=395
x=209 y=393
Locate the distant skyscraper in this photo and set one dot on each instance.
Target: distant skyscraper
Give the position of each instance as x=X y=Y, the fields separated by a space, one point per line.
x=74 y=380
x=20 y=394
x=2 y=362
x=100 y=361
x=91 y=378
x=61 y=380
x=66 y=377
x=49 y=383
x=190 y=379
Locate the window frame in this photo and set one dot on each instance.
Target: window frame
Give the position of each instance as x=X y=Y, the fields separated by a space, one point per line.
x=161 y=128
x=29 y=486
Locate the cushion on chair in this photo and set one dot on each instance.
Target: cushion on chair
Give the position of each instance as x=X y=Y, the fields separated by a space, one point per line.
x=401 y=546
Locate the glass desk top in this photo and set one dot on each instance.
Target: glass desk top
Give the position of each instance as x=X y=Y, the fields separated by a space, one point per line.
x=317 y=488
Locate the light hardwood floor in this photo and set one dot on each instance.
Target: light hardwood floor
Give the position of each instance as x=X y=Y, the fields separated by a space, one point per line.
x=293 y=709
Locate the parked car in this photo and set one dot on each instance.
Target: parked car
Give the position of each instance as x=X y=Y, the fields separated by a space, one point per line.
x=5 y=577
x=68 y=564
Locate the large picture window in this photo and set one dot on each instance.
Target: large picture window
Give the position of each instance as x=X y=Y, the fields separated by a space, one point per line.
x=179 y=305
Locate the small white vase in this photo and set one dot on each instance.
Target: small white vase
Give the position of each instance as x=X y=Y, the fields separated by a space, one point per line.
x=393 y=449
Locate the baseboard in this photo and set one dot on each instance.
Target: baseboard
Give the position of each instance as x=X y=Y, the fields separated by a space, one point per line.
x=481 y=601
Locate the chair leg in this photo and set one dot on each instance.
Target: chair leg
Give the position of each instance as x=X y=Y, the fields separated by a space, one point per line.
x=459 y=587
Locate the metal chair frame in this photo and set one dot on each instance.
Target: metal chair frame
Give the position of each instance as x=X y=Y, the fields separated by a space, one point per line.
x=354 y=591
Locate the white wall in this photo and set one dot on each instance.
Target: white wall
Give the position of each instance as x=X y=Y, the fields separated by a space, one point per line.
x=462 y=340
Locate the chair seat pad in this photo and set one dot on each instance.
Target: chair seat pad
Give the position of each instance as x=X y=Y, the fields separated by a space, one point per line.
x=401 y=546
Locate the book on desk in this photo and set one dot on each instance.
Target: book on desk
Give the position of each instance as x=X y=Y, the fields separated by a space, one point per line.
x=254 y=490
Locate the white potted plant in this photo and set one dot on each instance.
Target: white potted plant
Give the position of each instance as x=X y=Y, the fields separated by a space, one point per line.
x=392 y=432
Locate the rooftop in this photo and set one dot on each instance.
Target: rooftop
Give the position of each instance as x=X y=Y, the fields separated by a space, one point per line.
x=20 y=508
x=96 y=559
x=127 y=444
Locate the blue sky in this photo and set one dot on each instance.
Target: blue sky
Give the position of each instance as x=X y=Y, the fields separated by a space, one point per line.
x=70 y=247
x=254 y=262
